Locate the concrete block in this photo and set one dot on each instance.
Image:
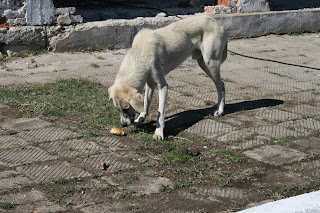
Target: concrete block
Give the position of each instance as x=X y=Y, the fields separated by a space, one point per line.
x=18 y=39
x=63 y=10
x=64 y=19
x=257 y=24
x=247 y=6
x=113 y=34
x=76 y=18
x=39 y=12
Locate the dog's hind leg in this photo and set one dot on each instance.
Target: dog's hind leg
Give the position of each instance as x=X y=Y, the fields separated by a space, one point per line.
x=147 y=99
x=212 y=68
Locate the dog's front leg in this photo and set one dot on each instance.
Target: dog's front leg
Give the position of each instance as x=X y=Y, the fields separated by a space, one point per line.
x=147 y=99
x=163 y=92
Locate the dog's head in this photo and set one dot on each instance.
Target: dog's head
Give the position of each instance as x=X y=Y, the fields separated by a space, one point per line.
x=127 y=100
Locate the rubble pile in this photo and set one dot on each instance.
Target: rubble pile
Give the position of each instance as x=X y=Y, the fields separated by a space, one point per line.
x=36 y=12
x=238 y=6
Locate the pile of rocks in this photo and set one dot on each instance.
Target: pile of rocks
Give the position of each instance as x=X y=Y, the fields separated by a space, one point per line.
x=36 y=12
x=238 y=6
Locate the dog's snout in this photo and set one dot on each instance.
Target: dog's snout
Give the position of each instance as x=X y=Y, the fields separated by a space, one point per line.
x=124 y=125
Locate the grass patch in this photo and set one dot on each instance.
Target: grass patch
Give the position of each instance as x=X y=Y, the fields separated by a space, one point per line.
x=176 y=156
x=227 y=80
x=228 y=155
x=95 y=65
x=8 y=206
x=149 y=142
x=187 y=94
x=209 y=103
x=75 y=100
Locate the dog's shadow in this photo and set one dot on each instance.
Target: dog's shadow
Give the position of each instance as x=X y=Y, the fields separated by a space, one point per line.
x=181 y=121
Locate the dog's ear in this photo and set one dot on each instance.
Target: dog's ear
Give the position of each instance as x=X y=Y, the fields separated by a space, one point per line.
x=136 y=101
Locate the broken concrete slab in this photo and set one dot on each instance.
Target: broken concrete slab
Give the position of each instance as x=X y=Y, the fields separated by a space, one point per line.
x=275 y=155
x=19 y=39
x=52 y=170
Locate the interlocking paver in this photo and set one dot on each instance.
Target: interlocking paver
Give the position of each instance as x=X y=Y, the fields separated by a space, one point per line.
x=47 y=134
x=111 y=142
x=113 y=161
x=9 y=141
x=72 y=148
x=210 y=128
x=15 y=157
x=50 y=171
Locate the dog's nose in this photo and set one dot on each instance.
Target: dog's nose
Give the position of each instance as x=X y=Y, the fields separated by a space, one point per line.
x=124 y=125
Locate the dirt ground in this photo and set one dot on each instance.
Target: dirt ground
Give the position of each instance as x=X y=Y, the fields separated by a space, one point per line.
x=265 y=147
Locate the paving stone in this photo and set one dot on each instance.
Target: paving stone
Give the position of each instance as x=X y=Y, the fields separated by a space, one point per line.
x=25 y=124
x=188 y=102
x=248 y=144
x=72 y=148
x=12 y=179
x=210 y=128
x=53 y=170
x=304 y=109
x=234 y=136
x=276 y=131
x=307 y=97
x=111 y=142
x=229 y=192
x=275 y=115
x=9 y=141
x=47 y=134
x=214 y=193
x=304 y=127
x=193 y=196
x=30 y=202
x=115 y=162
x=15 y=157
x=275 y=154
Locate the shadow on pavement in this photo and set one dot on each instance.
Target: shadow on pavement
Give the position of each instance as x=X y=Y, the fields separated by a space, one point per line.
x=183 y=120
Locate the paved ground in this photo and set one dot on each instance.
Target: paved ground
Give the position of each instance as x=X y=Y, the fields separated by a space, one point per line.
x=272 y=117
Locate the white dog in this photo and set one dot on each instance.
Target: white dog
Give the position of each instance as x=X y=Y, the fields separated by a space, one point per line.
x=155 y=53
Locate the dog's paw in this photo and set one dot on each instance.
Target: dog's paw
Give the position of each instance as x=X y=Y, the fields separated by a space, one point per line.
x=217 y=113
x=139 y=121
x=158 y=137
